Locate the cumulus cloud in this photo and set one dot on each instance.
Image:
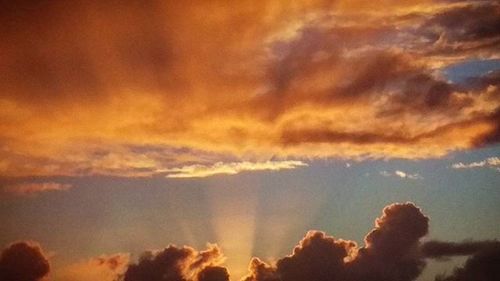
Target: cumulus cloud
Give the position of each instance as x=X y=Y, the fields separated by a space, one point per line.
x=23 y=261
x=199 y=171
x=27 y=189
x=176 y=264
x=391 y=248
x=83 y=84
x=390 y=252
x=393 y=251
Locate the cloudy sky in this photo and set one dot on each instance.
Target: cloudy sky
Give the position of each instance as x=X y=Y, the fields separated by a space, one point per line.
x=235 y=128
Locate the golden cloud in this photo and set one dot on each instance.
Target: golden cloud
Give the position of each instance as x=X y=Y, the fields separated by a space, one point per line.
x=106 y=88
x=200 y=171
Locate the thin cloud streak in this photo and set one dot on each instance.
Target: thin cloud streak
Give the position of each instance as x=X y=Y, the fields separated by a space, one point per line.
x=492 y=162
x=401 y=174
x=30 y=189
x=220 y=168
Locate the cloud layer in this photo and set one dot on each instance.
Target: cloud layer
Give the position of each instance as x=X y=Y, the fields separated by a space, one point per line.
x=393 y=251
x=128 y=88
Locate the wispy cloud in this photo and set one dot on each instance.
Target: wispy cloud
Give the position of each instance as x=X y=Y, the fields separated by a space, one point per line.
x=401 y=174
x=492 y=162
x=26 y=189
x=200 y=171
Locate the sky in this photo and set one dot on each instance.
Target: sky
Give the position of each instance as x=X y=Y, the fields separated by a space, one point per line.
x=249 y=140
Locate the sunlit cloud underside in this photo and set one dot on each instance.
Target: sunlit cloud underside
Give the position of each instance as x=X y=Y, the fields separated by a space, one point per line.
x=129 y=89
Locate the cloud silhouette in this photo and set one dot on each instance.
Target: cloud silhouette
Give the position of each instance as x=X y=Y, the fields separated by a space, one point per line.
x=23 y=261
x=176 y=264
x=393 y=251
x=482 y=266
x=439 y=249
x=213 y=273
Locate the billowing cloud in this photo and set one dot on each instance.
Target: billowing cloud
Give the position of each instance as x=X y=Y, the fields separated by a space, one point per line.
x=103 y=268
x=27 y=189
x=390 y=253
x=198 y=171
x=261 y=271
x=23 y=261
x=129 y=89
x=393 y=251
x=176 y=264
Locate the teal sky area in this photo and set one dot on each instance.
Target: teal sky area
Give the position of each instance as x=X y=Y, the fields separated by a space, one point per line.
x=274 y=210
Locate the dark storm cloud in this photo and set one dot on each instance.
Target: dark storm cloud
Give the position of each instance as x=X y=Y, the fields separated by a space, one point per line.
x=23 y=261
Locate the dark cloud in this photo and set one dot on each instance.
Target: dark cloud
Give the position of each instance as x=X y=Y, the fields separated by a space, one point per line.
x=463 y=24
x=483 y=266
x=213 y=273
x=440 y=249
x=317 y=258
x=261 y=271
x=176 y=264
x=493 y=136
x=23 y=261
x=392 y=252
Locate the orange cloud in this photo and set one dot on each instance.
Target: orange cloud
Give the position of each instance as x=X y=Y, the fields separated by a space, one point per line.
x=104 y=268
x=27 y=189
x=101 y=88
